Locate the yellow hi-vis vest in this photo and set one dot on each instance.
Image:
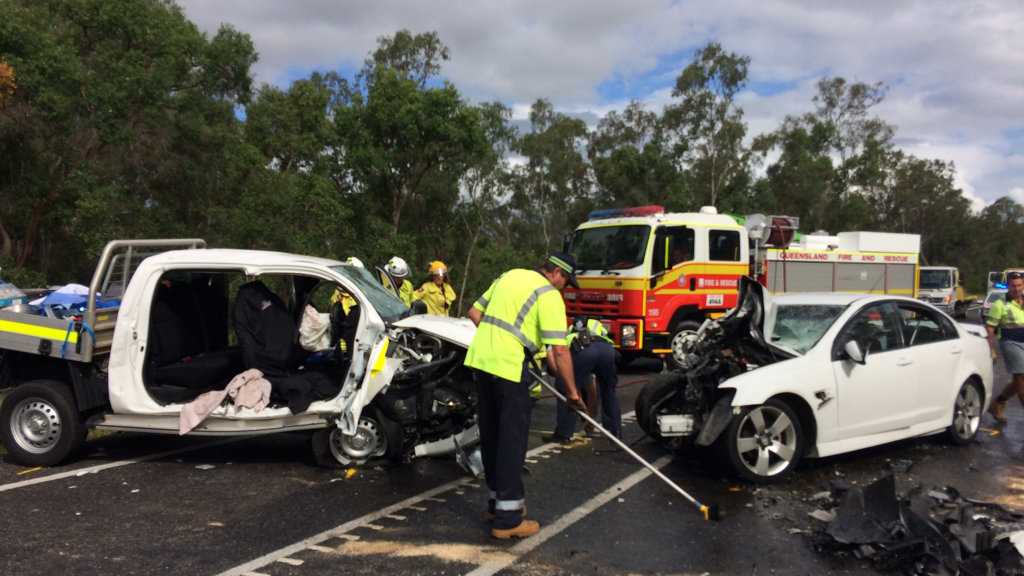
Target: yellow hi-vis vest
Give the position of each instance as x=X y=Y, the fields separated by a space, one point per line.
x=597 y=332
x=522 y=312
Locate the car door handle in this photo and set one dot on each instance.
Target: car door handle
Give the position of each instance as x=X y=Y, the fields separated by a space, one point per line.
x=904 y=362
x=956 y=351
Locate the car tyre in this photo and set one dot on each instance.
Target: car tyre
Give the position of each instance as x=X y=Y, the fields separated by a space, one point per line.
x=967 y=409
x=652 y=393
x=40 y=424
x=376 y=438
x=764 y=443
x=679 y=332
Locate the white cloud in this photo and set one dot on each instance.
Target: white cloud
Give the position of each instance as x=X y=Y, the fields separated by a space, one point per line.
x=954 y=68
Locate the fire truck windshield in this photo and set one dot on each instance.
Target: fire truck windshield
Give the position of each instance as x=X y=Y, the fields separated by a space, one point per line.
x=610 y=247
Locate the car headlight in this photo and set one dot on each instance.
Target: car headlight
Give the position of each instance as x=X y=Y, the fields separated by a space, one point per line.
x=628 y=336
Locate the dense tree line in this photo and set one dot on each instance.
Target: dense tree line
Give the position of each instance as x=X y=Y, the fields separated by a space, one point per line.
x=120 y=119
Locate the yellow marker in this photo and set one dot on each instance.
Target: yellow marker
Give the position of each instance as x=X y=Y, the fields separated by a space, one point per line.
x=706 y=512
x=349 y=473
x=29 y=471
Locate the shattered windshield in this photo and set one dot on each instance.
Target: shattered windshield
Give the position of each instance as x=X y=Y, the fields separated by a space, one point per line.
x=610 y=247
x=936 y=279
x=800 y=326
x=385 y=303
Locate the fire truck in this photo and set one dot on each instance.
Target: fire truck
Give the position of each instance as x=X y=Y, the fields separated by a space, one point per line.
x=651 y=277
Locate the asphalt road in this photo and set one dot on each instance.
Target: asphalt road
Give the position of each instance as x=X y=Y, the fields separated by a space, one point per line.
x=168 y=505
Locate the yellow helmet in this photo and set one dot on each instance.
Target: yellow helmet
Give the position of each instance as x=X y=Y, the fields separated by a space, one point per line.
x=438 y=268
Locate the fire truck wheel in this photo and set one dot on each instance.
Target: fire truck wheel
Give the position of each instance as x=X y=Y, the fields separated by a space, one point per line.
x=680 y=332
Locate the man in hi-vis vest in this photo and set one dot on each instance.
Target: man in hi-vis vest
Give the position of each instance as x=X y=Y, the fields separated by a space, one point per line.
x=519 y=314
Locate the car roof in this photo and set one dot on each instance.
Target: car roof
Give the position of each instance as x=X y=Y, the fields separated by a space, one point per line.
x=832 y=298
x=243 y=257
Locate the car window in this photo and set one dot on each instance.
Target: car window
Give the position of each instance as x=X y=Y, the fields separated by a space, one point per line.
x=924 y=326
x=724 y=245
x=875 y=329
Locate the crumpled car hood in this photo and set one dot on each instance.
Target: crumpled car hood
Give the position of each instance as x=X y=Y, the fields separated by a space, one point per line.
x=455 y=330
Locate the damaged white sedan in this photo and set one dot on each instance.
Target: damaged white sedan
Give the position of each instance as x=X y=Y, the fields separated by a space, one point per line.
x=812 y=375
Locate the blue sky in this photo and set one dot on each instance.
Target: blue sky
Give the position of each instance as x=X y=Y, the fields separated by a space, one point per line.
x=956 y=90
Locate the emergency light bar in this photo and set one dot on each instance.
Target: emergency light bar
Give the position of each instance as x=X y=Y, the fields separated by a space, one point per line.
x=999 y=286
x=626 y=212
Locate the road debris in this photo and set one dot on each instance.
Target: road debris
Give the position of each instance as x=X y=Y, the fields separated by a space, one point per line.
x=205 y=467
x=938 y=533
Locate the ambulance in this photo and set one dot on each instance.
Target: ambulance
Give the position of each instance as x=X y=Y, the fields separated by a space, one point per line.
x=651 y=277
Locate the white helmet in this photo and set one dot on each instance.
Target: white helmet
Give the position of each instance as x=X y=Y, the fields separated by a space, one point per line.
x=397 y=267
x=353 y=261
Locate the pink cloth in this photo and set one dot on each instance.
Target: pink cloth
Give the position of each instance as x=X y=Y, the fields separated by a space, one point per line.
x=247 y=390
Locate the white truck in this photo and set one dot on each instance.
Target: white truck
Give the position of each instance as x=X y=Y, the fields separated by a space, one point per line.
x=940 y=286
x=386 y=385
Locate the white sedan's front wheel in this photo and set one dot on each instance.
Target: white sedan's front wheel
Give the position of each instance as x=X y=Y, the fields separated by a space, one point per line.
x=764 y=442
x=966 y=414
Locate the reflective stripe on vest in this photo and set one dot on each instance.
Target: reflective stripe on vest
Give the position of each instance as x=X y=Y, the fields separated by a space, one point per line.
x=516 y=329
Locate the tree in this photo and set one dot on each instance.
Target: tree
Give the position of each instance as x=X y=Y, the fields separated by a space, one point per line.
x=110 y=97
x=707 y=122
x=399 y=137
x=555 y=178
x=632 y=160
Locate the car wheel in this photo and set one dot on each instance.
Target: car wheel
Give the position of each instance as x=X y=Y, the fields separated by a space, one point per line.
x=40 y=424
x=371 y=441
x=651 y=394
x=966 y=414
x=681 y=332
x=764 y=442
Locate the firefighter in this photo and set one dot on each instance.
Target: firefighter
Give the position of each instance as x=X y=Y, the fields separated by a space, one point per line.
x=399 y=272
x=520 y=313
x=593 y=354
x=436 y=292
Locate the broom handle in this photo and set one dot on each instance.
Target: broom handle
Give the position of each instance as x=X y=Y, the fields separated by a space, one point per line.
x=620 y=443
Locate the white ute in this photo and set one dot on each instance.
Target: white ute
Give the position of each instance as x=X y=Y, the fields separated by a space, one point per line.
x=382 y=383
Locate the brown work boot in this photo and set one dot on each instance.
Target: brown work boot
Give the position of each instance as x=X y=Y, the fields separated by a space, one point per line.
x=525 y=529
x=998 y=410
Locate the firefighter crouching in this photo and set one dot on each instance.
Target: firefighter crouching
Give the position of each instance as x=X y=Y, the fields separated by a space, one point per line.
x=520 y=313
x=593 y=354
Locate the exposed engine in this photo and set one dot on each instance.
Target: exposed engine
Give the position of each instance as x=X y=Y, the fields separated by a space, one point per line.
x=686 y=404
x=433 y=395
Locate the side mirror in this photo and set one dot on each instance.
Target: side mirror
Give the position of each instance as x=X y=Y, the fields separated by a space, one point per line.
x=853 y=351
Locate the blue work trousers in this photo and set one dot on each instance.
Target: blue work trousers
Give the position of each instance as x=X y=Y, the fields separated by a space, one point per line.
x=597 y=359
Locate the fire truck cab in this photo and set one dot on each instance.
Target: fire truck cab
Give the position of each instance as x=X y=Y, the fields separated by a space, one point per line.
x=650 y=276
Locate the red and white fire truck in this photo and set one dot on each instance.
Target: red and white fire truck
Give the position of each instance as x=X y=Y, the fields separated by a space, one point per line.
x=652 y=276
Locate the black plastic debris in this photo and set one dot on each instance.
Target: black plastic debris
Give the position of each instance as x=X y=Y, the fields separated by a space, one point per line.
x=900 y=465
x=867 y=516
x=936 y=532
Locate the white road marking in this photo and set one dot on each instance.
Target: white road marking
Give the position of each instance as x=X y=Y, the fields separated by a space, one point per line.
x=417 y=508
x=436 y=499
x=323 y=549
x=255 y=574
x=566 y=521
x=373 y=526
x=118 y=464
x=291 y=561
x=341 y=531
x=395 y=517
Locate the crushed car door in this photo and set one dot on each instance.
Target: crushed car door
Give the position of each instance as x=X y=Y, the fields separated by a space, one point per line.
x=879 y=395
